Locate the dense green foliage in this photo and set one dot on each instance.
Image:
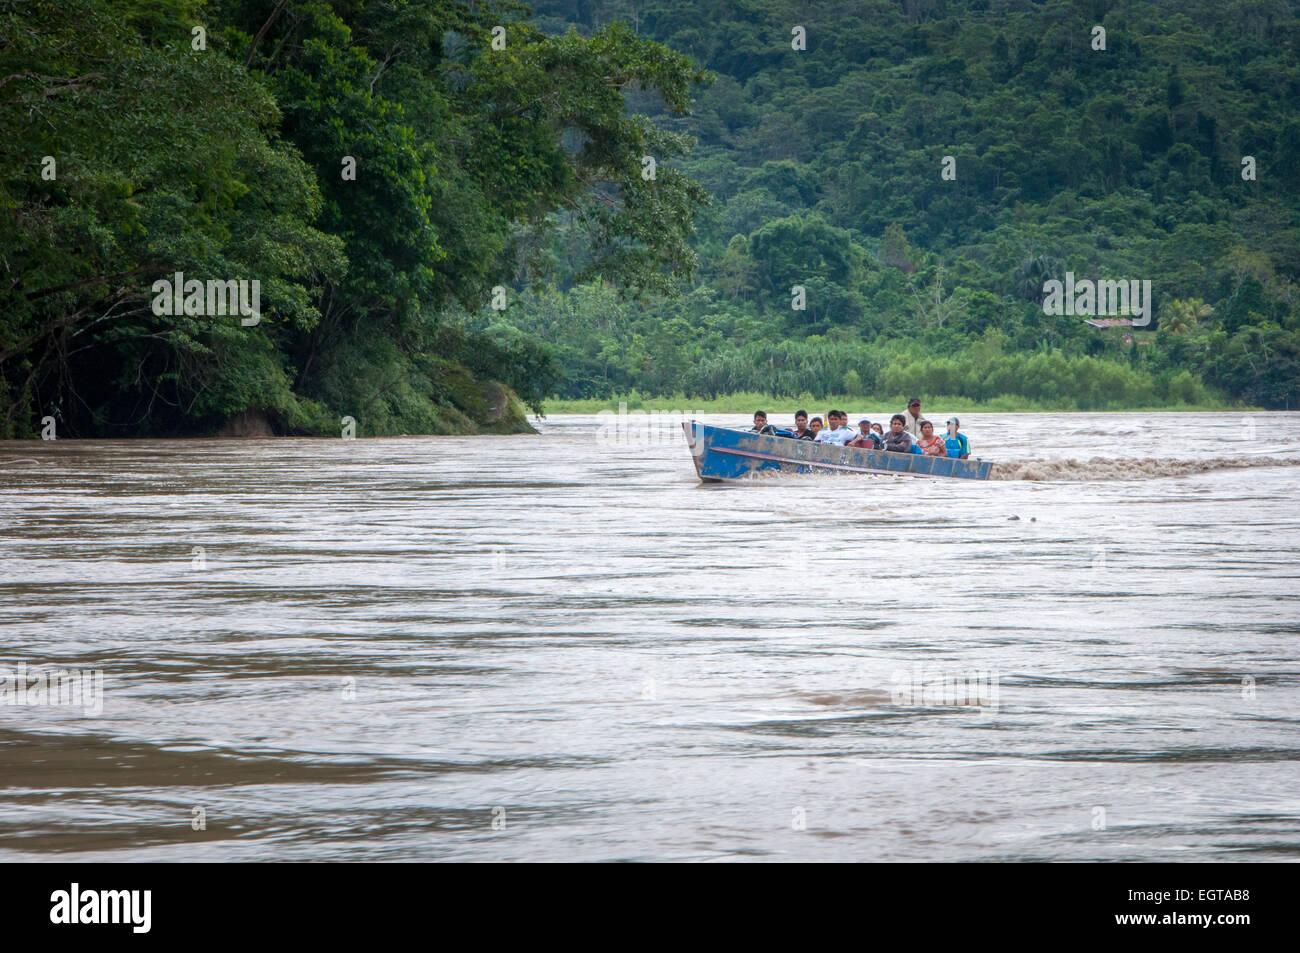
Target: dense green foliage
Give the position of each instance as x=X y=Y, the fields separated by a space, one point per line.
x=825 y=170
x=213 y=139
x=524 y=167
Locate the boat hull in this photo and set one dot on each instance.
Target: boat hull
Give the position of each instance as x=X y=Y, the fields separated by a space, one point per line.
x=721 y=454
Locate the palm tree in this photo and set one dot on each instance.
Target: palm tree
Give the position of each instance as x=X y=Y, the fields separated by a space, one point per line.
x=1027 y=280
x=1175 y=320
x=1181 y=316
x=1198 y=310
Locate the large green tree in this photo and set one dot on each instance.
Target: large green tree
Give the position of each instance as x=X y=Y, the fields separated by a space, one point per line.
x=373 y=165
x=129 y=155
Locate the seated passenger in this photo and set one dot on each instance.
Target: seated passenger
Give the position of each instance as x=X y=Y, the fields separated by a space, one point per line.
x=898 y=440
x=931 y=444
x=815 y=427
x=800 y=431
x=865 y=437
x=825 y=435
x=879 y=431
x=837 y=433
x=761 y=425
x=956 y=443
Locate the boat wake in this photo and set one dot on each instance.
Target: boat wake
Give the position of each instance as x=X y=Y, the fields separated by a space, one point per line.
x=1106 y=468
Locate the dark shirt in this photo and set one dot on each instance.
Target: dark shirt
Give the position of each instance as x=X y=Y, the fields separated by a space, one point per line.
x=898 y=442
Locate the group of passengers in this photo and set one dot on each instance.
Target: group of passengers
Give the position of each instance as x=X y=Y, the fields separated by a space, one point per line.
x=908 y=432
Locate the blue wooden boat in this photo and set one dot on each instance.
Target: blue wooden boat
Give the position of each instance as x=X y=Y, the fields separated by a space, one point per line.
x=724 y=454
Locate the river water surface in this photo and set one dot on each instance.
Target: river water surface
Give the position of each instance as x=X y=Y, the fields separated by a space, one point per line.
x=549 y=648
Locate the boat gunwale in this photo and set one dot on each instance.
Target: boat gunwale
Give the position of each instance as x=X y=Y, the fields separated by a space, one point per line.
x=826 y=466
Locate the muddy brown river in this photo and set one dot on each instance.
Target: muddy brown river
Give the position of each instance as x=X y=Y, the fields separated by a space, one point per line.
x=564 y=647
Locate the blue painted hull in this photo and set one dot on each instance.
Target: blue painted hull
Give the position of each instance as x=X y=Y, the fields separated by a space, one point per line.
x=723 y=454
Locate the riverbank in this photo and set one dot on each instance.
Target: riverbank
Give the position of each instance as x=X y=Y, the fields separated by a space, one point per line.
x=748 y=402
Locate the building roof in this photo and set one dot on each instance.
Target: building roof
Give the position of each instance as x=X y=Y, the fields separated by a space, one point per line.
x=1110 y=322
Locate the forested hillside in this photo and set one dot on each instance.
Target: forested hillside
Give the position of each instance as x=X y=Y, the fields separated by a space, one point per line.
x=910 y=176
x=370 y=165
x=825 y=169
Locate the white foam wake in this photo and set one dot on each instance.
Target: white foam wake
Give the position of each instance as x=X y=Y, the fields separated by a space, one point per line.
x=1109 y=468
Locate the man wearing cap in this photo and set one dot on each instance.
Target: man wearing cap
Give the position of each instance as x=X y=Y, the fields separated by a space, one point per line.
x=866 y=437
x=956 y=443
x=912 y=418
